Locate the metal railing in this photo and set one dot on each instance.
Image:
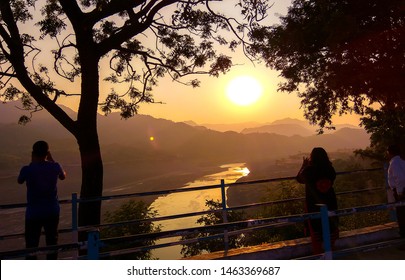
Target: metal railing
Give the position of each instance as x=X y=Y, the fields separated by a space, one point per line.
x=94 y=243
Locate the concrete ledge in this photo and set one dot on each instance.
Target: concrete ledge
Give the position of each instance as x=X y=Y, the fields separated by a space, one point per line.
x=298 y=248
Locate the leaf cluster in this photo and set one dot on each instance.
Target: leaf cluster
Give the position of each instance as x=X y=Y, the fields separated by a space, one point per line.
x=386 y=126
x=140 y=41
x=339 y=56
x=215 y=244
x=131 y=211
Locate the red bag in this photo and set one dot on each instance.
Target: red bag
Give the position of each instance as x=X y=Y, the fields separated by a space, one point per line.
x=323 y=185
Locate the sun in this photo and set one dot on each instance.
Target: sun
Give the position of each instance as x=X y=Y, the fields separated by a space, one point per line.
x=244 y=90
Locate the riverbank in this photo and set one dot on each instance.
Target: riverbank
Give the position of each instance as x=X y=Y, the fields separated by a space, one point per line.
x=118 y=180
x=260 y=170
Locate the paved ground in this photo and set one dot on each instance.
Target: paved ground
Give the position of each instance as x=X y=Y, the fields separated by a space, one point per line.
x=396 y=252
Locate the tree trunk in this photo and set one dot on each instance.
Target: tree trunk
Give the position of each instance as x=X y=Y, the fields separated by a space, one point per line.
x=92 y=178
x=87 y=136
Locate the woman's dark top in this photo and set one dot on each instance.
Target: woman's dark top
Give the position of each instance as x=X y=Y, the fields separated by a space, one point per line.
x=311 y=176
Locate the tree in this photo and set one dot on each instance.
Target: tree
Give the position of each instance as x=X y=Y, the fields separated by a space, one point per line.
x=340 y=56
x=131 y=211
x=217 y=244
x=45 y=44
x=386 y=126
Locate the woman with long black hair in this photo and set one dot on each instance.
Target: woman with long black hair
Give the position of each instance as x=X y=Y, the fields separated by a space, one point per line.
x=318 y=175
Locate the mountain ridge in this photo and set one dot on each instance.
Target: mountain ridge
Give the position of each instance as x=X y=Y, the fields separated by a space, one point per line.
x=133 y=161
x=148 y=137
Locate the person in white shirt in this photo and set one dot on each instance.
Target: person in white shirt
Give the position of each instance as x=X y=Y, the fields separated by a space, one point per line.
x=396 y=181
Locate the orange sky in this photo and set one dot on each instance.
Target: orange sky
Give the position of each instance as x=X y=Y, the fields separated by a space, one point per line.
x=209 y=103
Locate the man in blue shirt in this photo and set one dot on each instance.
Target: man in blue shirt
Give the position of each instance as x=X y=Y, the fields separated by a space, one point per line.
x=43 y=209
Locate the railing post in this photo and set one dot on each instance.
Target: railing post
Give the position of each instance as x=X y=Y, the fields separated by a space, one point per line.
x=93 y=239
x=326 y=232
x=75 y=232
x=224 y=215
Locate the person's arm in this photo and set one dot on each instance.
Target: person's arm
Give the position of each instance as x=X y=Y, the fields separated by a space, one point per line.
x=21 y=177
x=62 y=173
x=392 y=180
x=301 y=177
x=49 y=157
x=400 y=179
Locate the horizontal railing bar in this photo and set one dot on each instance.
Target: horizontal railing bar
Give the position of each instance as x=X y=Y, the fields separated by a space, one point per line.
x=23 y=205
x=179 y=190
x=367 y=208
x=266 y=222
x=294 y=177
x=282 y=219
x=157 y=246
x=21 y=234
x=253 y=205
x=39 y=250
x=246 y=223
x=240 y=207
x=164 y=192
x=162 y=218
x=363 y=248
x=185 y=215
x=186 y=241
x=369 y=247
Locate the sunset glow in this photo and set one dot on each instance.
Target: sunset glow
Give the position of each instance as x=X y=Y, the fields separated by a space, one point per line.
x=244 y=90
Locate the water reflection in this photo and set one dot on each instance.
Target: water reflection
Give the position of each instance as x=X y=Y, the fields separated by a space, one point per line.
x=194 y=201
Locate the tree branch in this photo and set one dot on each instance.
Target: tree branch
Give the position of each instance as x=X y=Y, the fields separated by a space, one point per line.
x=74 y=13
x=15 y=45
x=133 y=26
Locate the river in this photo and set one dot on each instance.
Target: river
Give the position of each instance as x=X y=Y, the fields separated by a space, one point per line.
x=194 y=201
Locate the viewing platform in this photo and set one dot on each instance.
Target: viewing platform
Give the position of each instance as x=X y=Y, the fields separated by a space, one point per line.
x=380 y=242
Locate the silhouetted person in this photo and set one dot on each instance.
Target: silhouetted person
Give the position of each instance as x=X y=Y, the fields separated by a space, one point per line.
x=396 y=181
x=318 y=175
x=43 y=209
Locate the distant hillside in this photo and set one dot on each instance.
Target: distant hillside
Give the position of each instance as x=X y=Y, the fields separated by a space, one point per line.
x=291 y=127
x=131 y=139
x=283 y=129
x=10 y=112
x=135 y=162
x=286 y=127
x=236 y=127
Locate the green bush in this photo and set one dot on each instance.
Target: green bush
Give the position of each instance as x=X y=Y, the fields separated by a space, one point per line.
x=130 y=211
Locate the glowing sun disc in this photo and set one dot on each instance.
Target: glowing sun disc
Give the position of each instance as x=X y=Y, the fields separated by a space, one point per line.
x=244 y=90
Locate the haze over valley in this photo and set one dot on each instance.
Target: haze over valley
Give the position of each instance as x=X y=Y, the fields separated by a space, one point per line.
x=145 y=154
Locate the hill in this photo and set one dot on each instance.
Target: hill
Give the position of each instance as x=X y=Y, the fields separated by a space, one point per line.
x=291 y=127
x=236 y=127
x=283 y=129
x=172 y=140
x=177 y=153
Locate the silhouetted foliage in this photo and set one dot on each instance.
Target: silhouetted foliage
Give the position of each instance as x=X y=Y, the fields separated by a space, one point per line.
x=386 y=126
x=53 y=49
x=288 y=199
x=131 y=211
x=339 y=56
x=278 y=192
x=214 y=244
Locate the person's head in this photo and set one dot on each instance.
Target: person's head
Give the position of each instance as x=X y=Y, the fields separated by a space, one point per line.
x=393 y=150
x=319 y=156
x=40 y=149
